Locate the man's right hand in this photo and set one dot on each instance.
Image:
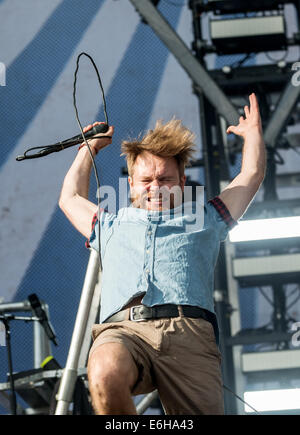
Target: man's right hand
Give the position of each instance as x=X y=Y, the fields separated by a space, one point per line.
x=98 y=144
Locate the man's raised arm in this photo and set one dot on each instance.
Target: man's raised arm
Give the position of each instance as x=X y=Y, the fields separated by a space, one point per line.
x=73 y=199
x=239 y=193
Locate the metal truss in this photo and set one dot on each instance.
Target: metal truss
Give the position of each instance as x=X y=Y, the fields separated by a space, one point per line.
x=202 y=80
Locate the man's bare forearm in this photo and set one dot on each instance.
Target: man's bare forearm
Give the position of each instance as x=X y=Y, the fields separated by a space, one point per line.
x=74 y=194
x=254 y=154
x=77 y=179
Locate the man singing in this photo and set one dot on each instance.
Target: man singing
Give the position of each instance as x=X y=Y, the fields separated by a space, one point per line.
x=157 y=327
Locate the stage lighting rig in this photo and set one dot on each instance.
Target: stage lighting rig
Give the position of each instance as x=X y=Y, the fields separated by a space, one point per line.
x=220 y=7
x=244 y=27
x=248 y=35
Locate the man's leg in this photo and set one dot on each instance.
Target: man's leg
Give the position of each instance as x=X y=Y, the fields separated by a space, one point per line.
x=188 y=371
x=112 y=373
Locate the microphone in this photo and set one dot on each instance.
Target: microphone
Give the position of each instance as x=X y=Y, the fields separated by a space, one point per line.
x=59 y=146
x=99 y=128
x=43 y=318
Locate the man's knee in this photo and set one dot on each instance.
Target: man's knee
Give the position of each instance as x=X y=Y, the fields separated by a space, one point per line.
x=111 y=368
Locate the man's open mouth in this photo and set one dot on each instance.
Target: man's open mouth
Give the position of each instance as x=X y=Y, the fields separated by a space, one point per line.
x=155 y=200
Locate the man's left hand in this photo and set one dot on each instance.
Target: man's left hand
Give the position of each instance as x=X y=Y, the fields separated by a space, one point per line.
x=252 y=121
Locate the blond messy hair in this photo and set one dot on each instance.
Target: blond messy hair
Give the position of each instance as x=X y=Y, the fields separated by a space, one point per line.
x=171 y=139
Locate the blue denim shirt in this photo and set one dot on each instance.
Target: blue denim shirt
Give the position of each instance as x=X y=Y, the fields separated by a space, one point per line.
x=152 y=252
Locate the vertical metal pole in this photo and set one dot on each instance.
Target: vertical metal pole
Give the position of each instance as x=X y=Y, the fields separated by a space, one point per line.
x=145 y=403
x=69 y=376
x=12 y=398
x=93 y=318
x=222 y=312
x=41 y=342
x=279 y=314
x=235 y=325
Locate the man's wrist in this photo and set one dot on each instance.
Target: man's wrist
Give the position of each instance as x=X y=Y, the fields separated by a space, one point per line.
x=254 y=131
x=84 y=147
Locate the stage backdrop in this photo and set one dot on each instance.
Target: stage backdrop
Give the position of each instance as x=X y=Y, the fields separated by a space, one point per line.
x=40 y=40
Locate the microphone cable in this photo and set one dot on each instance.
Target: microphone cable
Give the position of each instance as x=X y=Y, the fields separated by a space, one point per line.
x=84 y=138
x=59 y=146
x=239 y=398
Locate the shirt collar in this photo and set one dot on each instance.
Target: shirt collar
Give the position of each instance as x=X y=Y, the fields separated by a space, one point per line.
x=186 y=208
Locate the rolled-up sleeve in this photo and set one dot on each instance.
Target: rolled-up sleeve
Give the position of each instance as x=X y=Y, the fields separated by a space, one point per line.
x=92 y=236
x=104 y=224
x=221 y=217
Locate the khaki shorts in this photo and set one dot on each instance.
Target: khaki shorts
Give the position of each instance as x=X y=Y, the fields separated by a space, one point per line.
x=178 y=356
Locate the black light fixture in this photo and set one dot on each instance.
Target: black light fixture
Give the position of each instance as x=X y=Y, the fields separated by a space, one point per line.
x=249 y=34
x=237 y=6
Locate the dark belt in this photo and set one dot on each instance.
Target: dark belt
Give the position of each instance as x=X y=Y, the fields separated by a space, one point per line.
x=138 y=313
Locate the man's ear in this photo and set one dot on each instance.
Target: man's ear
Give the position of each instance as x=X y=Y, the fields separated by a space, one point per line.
x=131 y=193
